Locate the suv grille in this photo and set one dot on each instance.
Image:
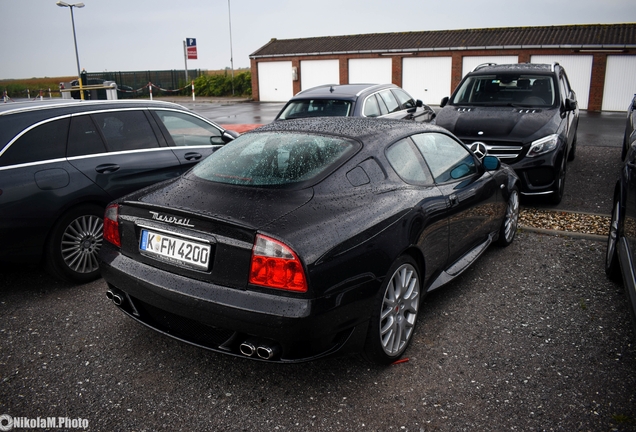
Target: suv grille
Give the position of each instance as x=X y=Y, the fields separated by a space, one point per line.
x=507 y=152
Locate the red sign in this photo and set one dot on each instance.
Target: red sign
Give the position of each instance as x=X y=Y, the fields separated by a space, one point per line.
x=191 y=48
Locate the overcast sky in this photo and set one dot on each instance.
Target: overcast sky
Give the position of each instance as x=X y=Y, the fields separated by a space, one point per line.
x=36 y=36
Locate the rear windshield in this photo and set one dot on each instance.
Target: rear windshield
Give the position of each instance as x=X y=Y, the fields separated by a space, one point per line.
x=275 y=158
x=507 y=90
x=316 y=108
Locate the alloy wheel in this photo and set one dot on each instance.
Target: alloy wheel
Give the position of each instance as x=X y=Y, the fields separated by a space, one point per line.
x=81 y=242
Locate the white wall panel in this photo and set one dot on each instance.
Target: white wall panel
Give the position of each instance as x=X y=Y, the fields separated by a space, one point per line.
x=370 y=71
x=427 y=78
x=470 y=62
x=318 y=72
x=620 y=82
x=578 y=69
x=275 y=81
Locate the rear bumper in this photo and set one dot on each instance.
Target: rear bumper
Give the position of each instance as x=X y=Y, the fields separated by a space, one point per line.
x=221 y=318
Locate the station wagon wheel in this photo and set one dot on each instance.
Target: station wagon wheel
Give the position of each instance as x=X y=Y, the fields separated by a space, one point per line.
x=395 y=312
x=612 y=267
x=74 y=244
x=511 y=219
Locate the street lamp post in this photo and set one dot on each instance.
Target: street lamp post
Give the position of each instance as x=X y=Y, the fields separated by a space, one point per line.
x=79 y=74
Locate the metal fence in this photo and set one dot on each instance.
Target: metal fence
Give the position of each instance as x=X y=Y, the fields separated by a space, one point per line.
x=135 y=83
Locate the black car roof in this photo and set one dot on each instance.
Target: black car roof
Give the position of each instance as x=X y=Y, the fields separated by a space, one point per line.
x=73 y=105
x=360 y=128
x=514 y=67
x=340 y=91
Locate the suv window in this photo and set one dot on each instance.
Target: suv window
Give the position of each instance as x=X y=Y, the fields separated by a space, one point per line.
x=126 y=130
x=187 y=130
x=507 y=89
x=316 y=108
x=447 y=159
x=44 y=142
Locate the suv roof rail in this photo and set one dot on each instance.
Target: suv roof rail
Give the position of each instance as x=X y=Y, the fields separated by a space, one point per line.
x=554 y=65
x=483 y=65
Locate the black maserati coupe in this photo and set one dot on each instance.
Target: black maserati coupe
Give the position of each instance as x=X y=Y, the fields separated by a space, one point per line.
x=307 y=238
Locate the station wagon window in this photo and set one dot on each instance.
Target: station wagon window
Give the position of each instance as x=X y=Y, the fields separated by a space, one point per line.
x=405 y=100
x=274 y=158
x=407 y=163
x=316 y=108
x=390 y=100
x=447 y=159
x=374 y=107
x=44 y=142
x=83 y=138
x=187 y=130
x=126 y=130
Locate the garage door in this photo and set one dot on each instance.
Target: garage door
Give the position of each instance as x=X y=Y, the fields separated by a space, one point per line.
x=275 y=81
x=427 y=78
x=471 y=62
x=370 y=71
x=579 y=70
x=318 y=72
x=620 y=82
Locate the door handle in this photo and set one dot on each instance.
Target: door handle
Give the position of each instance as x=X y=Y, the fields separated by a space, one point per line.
x=192 y=156
x=106 y=168
x=453 y=200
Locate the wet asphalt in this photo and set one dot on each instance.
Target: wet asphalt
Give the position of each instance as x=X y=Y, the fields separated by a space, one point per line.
x=532 y=337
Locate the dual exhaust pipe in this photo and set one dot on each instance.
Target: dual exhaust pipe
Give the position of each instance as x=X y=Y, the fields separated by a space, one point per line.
x=116 y=298
x=259 y=348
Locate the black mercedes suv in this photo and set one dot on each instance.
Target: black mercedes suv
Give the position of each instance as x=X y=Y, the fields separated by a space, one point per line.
x=525 y=114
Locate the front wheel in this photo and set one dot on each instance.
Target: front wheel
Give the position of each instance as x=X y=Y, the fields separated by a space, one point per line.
x=395 y=313
x=557 y=195
x=511 y=220
x=74 y=244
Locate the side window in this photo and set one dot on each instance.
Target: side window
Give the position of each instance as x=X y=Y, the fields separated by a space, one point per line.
x=83 y=137
x=447 y=159
x=371 y=107
x=390 y=100
x=407 y=163
x=187 y=130
x=405 y=100
x=44 y=142
x=126 y=130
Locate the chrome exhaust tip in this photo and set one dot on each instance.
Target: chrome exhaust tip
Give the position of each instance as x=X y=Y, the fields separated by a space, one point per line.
x=248 y=348
x=114 y=297
x=109 y=294
x=267 y=352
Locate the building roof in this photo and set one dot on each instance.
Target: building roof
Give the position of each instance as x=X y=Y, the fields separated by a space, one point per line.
x=592 y=36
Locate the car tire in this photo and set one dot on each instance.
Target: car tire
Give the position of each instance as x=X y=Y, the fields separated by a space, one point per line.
x=511 y=220
x=572 y=153
x=612 y=266
x=74 y=243
x=394 y=313
x=557 y=195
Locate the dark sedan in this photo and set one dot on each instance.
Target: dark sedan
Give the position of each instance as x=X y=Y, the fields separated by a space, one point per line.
x=620 y=261
x=356 y=100
x=307 y=237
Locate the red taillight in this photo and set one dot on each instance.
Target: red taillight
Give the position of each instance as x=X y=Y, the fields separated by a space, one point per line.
x=111 y=225
x=274 y=265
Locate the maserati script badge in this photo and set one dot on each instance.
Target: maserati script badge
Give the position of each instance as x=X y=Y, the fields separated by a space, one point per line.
x=171 y=219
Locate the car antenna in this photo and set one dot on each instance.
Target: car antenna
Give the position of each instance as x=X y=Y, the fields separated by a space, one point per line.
x=331 y=89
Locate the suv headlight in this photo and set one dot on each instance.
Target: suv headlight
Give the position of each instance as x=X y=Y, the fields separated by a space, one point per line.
x=543 y=145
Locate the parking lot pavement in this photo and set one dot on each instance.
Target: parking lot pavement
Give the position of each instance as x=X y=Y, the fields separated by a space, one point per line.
x=532 y=337
x=524 y=340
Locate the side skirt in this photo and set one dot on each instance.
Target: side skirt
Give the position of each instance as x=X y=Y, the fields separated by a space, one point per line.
x=461 y=264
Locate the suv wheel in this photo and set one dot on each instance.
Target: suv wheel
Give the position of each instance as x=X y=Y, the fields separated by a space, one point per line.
x=572 y=153
x=74 y=243
x=557 y=195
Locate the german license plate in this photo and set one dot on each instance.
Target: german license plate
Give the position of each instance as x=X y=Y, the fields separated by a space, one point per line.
x=175 y=249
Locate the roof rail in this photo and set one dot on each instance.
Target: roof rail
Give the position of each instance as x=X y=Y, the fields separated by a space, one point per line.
x=554 y=66
x=483 y=65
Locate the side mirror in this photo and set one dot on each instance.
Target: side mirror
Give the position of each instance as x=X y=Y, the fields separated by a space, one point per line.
x=444 y=101
x=491 y=163
x=229 y=135
x=634 y=103
x=419 y=103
